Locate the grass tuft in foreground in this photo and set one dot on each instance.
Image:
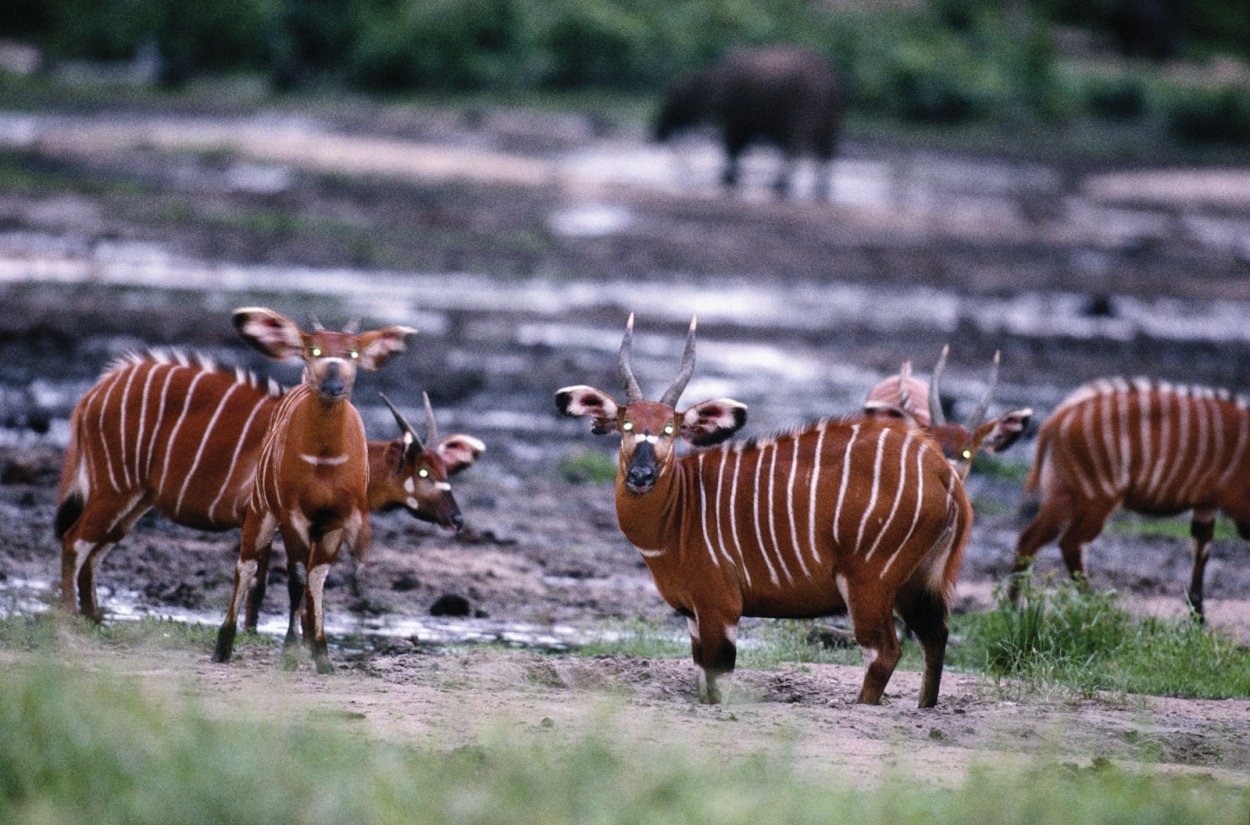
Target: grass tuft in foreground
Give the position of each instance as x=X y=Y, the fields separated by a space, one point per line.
x=85 y=748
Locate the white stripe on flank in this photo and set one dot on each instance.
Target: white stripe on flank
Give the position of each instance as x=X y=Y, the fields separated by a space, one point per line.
x=1069 y=424
x=156 y=428
x=773 y=516
x=1125 y=447
x=173 y=434
x=794 y=530
x=199 y=453
x=716 y=509
x=108 y=458
x=1109 y=439
x=1201 y=411
x=234 y=459
x=1182 y=442
x=140 y=474
x=846 y=473
x=1143 y=410
x=1163 y=399
x=1217 y=432
x=707 y=540
x=876 y=488
x=898 y=493
x=915 y=517
x=1234 y=460
x=733 y=520
x=122 y=435
x=755 y=515
x=811 y=500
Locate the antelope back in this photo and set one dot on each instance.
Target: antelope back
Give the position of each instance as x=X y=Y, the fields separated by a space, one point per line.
x=1157 y=445
x=179 y=431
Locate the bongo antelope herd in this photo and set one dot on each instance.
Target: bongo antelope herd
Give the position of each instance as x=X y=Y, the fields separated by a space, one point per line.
x=162 y=431
x=858 y=516
x=864 y=515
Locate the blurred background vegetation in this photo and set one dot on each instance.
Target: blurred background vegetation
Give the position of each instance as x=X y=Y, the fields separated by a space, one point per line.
x=1177 y=67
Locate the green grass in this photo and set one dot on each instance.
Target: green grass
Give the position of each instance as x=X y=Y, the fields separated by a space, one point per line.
x=587 y=467
x=1131 y=524
x=85 y=748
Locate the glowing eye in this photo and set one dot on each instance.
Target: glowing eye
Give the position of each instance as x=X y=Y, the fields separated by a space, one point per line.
x=668 y=429
x=353 y=354
x=316 y=352
x=424 y=473
x=967 y=454
x=627 y=426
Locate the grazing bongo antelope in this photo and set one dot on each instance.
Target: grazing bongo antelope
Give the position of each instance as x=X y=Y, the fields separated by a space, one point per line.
x=312 y=473
x=1148 y=446
x=896 y=397
x=861 y=516
x=162 y=431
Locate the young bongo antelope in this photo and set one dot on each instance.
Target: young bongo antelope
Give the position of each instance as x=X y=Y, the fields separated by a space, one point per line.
x=860 y=516
x=312 y=474
x=161 y=431
x=1148 y=446
x=896 y=397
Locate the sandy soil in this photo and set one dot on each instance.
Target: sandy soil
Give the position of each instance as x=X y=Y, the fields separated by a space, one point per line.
x=534 y=304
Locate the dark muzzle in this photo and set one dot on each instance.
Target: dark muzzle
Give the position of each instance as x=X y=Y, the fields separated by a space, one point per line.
x=641 y=473
x=332 y=385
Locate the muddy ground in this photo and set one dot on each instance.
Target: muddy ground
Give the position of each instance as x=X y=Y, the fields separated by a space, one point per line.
x=518 y=242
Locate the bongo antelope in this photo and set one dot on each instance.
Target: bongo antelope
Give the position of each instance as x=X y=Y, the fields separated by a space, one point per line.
x=312 y=474
x=1149 y=446
x=861 y=516
x=897 y=397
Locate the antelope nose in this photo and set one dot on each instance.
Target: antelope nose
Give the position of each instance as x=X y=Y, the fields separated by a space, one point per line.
x=643 y=476
x=332 y=385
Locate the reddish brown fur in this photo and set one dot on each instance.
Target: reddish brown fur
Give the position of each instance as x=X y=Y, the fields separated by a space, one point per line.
x=789 y=526
x=113 y=471
x=1149 y=447
x=311 y=478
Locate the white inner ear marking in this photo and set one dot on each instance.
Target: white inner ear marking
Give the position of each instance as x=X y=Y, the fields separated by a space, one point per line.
x=331 y=461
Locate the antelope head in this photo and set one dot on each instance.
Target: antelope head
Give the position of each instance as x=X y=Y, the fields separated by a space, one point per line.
x=649 y=429
x=960 y=442
x=418 y=469
x=331 y=359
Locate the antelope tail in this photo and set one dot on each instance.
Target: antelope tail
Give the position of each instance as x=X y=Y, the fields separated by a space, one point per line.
x=1043 y=452
x=71 y=496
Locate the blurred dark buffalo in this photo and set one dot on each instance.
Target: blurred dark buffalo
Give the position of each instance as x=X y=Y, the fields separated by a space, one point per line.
x=786 y=96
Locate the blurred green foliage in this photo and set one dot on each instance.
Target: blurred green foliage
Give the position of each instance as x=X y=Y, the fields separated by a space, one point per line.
x=943 y=61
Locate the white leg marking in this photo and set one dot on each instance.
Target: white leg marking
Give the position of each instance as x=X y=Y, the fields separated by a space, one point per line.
x=82 y=549
x=846 y=474
x=316 y=585
x=693 y=626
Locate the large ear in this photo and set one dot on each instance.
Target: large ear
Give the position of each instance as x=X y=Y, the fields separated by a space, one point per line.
x=581 y=400
x=711 y=422
x=378 y=346
x=459 y=451
x=1004 y=431
x=275 y=335
x=890 y=412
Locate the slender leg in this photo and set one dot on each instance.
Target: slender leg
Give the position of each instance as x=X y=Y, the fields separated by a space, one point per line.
x=925 y=612
x=256 y=596
x=321 y=555
x=258 y=531
x=1202 y=529
x=873 y=619
x=713 y=643
x=1050 y=520
x=1083 y=529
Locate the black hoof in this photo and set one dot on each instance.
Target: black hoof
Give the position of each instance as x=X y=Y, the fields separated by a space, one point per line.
x=225 y=644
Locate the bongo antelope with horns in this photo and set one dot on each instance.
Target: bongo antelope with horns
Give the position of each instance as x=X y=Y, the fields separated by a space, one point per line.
x=1148 y=446
x=896 y=397
x=860 y=516
x=312 y=474
x=161 y=431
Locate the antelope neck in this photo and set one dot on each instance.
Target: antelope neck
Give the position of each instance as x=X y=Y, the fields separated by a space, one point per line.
x=652 y=521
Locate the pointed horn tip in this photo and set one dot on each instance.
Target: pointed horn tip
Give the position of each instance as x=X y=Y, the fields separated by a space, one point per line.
x=997 y=356
x=629 y=325
x=694 y=322
x=946 y=350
